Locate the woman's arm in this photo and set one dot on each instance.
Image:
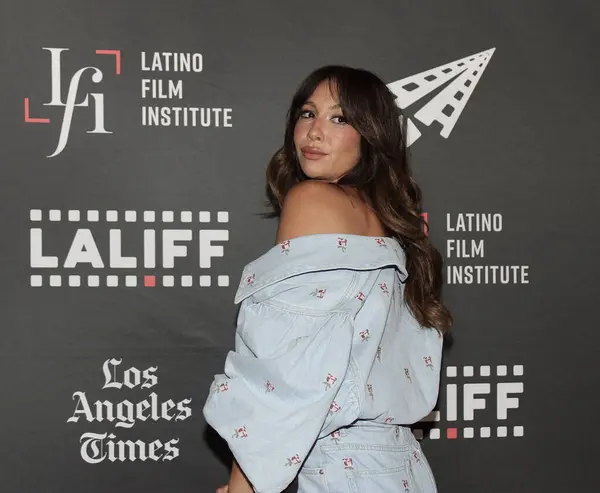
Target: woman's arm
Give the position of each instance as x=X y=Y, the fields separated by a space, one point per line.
x=275 y=395
x=238 y=483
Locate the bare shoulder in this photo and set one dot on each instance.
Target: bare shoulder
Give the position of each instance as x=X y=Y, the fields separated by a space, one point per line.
x=316 y=207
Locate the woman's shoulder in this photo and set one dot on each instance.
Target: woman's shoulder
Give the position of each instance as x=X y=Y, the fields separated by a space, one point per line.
x=317 y=207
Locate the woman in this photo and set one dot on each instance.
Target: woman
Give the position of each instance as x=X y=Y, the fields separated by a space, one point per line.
x=339 y=334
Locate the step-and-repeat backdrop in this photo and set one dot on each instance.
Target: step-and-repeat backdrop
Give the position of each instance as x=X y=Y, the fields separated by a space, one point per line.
x=135 y=137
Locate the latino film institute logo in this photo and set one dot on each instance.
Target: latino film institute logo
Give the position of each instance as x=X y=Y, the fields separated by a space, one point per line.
x=455 y=82
x=69 y=105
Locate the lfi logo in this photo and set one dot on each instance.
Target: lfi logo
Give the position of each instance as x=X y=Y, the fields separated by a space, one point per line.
x=70 y=104
x=491 y=402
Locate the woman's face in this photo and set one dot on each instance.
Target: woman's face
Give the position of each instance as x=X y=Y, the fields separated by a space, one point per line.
x=327 y=146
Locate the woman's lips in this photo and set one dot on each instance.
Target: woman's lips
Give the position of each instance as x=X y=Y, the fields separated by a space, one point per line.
x=312 y=155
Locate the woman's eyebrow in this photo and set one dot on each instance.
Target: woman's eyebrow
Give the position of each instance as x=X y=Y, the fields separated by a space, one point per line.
x=333 y=107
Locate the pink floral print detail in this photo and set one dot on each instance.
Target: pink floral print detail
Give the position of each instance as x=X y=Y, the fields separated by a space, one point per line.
x=384 y=288
x=405 y=486
x=223 y=387
x=336 y=436
x=285 y=246
x=319 y=293
x=379 y=353
x=269 y=387
x=250 y=280
x=428 y=362
x=389 y=420
x=364 y=335
x=334 y=408
x=342 y=243
x=381 y=242
x=348 y=463
x=240 y=433
x=407 y=374
x=294 y=461
x=329 y=381
x=360 y=296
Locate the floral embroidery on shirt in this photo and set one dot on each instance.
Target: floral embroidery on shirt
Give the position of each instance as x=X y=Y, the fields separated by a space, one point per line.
x=381 y=242
x=240 y=433
x=428 y=362
x=293 y=461
x=348 y=463
x=405 y=486
x=319 y=293
x=329 y=381
x=416 y=457
x=335 y=436
x=407 y=374
x=250 y=280
x=389 y=420
x=334 y=408
x=342 y=243
x=269 y=386
x=384 y=288
x=370 y=390
x=360 y=296
x=364 y=335
x=221 y=387
x=379 y=353
x=285 y=246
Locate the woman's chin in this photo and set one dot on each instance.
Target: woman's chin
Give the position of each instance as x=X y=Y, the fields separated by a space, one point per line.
x=312 y=169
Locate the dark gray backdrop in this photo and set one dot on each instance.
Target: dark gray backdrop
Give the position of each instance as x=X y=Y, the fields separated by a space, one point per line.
x=522 y=148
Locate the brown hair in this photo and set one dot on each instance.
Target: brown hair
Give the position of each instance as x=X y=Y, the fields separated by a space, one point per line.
x=382 y=176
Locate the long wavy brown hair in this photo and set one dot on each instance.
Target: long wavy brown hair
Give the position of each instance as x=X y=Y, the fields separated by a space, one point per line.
x=382 y=177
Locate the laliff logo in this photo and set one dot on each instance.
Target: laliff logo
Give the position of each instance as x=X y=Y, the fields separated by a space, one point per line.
x=70 y=104
x=127 y=248
x=477 y=404
x=447 y=106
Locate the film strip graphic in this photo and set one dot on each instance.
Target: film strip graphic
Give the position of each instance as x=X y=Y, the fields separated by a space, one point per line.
x=447 y=106
x=37 y=216
x=446 y=431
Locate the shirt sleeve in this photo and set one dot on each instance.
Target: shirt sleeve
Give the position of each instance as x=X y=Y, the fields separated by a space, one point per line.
x=279 y=384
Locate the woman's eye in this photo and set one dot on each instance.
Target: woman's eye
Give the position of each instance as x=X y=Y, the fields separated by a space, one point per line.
x=339 y=119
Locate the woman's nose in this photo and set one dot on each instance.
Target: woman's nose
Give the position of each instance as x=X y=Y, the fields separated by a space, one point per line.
x=315 y=132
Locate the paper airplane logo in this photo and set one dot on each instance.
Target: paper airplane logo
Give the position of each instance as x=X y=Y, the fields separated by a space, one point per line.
x=446 y=107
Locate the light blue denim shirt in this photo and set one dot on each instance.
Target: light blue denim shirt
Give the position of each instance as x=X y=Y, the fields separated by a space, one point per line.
x=323 y=338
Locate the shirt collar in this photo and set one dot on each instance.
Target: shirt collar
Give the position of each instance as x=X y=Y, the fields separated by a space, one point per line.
x=319 y=252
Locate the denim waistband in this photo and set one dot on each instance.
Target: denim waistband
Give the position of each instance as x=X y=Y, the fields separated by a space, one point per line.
x=361 y=435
